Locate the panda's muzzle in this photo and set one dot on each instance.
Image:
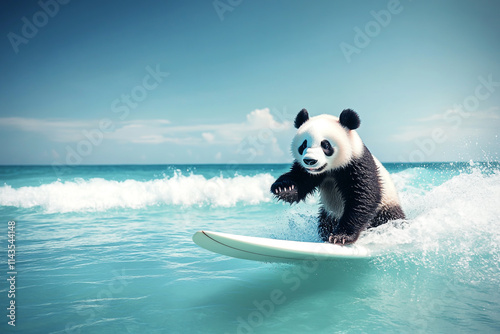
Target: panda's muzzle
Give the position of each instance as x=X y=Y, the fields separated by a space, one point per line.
x=316 y=170
x=310 y=162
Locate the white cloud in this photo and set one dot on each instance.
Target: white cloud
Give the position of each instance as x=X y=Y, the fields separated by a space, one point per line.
x=209 y=137
x=56 y=130
x=259 y=124
x=148 y=139
x=262 y=118
x=258 y=133
x=451 y=135
x=454 y=124
x=74 y=130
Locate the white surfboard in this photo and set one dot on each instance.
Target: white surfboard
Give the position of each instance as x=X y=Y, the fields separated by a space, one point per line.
x=272 y=250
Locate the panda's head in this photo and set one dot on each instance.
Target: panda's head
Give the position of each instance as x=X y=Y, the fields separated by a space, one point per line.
x=325 y=142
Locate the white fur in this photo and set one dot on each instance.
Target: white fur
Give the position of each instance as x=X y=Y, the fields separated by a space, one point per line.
x=389 y=193
x=346 y=143
x=332 y=198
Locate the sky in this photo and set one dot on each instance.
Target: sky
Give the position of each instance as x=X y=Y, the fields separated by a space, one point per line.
x=190 y=82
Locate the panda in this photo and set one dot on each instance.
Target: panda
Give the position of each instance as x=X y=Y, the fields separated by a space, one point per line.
x=356 y=191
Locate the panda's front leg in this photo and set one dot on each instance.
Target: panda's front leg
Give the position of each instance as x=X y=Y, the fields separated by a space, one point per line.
x=295 y=185
x=335 y=231
x=327 y=224
x=285 y=188
x=349 y=228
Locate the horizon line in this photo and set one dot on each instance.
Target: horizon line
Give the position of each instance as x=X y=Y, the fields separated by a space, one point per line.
x=227 y=163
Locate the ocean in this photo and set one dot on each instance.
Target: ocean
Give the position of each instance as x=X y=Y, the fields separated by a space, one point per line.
x=108 y=249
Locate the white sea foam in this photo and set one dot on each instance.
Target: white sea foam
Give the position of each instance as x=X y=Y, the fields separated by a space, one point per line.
x=465 y=205
x=98 y=194
x=457 y=220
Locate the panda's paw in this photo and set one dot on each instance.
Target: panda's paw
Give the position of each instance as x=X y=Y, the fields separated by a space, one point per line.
x=343 y=238
x=285 y=190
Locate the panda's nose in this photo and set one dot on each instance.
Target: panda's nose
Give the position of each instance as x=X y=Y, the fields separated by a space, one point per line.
x=310 y=162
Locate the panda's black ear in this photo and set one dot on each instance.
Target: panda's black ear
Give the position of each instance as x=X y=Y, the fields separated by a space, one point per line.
x=349 y=119
x=301 y=118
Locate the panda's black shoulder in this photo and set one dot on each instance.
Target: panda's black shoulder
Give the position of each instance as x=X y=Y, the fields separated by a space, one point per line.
x=362 y=168
x=366 y=159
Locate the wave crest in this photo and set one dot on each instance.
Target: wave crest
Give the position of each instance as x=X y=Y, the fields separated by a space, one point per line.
x=98 y=194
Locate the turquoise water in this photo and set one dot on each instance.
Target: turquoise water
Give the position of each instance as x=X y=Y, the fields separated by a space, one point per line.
x=108 y=249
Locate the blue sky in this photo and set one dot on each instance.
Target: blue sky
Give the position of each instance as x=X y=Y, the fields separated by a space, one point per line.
x=125 y=82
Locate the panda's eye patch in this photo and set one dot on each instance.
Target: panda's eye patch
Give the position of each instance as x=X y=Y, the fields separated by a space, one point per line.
x=302 y=147
x=327 y=147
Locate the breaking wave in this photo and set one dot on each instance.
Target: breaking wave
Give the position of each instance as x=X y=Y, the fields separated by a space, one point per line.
x=98 y=194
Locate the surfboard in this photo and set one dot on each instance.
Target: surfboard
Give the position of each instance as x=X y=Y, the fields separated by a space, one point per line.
x=273 y=250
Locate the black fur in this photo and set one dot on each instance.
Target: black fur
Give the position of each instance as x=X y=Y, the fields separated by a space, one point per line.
x=302 y=147
x=387 y=213
x=301 y=118
x=327 y=148
x=349 y=119
x=359 y=185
